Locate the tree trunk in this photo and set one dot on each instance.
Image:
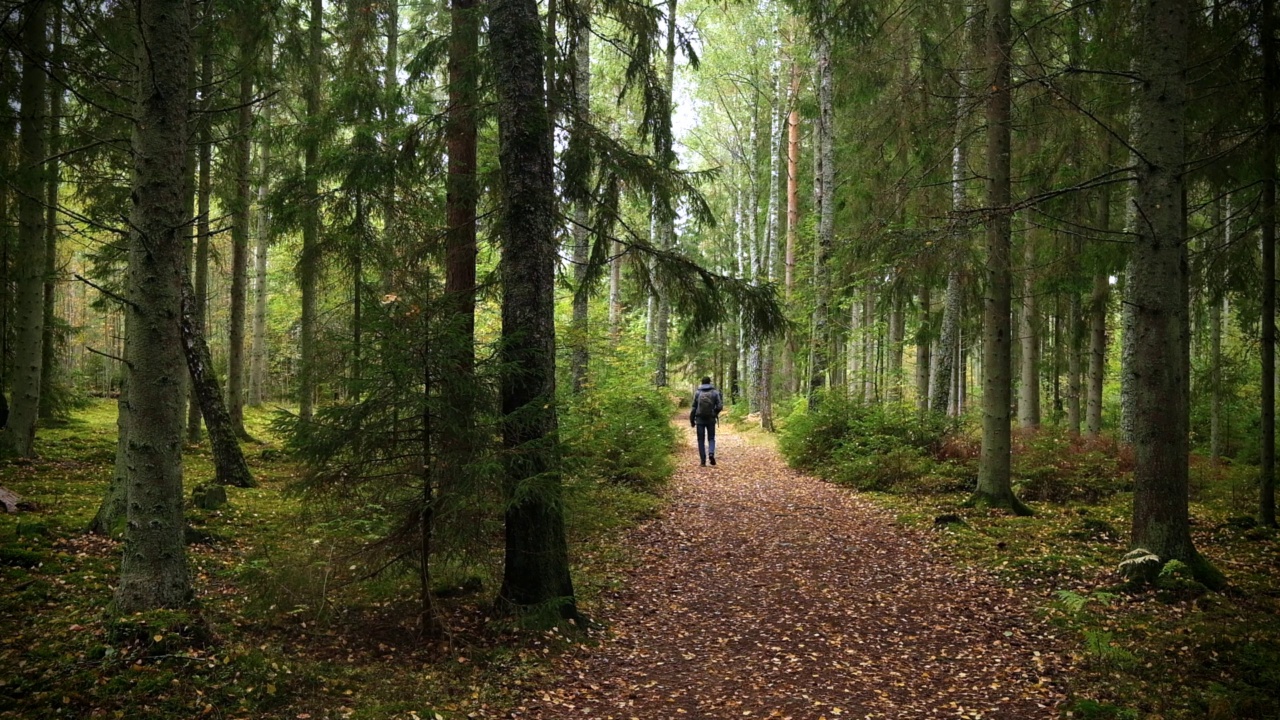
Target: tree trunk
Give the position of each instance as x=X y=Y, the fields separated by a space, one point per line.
x=1158 y=291
x=581 y=356
x=948 y=343
x=768 y=254
x=823 y=202
x=1075 y=361
x=897 y=335
x=1270 y=83
x=204 y=194
x=258 y=357
x=789 y=374
x=615 y=291
x=923 y=356
x=1098 y=302
x=50 y=376
x=309 y=262
x=994 y=484
x=29 y=260
x=536 y=571
x=240 y=158
x=153 y=571
x=228 y=460
x=1029 y=334
x=664 y=220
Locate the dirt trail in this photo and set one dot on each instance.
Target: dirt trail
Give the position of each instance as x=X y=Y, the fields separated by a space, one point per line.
x=763 y=593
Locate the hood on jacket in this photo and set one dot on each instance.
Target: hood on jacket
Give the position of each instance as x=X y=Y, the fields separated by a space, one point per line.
x=706 y=386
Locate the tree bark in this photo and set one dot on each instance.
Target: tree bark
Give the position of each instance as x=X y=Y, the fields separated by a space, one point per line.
x=822 y=191
x=664 y=220
x=1099 y=300
x=581 y=357
x=924 y=359
x=204 y=195
x=536 y=568
x=789 y=374
x=1158 y=291
x=240 y=221
x=1267 y=340
x=258 y=356
x=29 y=260
x=228 y=460
x=1029 y=335
x=153 y=571
x=309 y=262
x=50 y=377
x=994 y=484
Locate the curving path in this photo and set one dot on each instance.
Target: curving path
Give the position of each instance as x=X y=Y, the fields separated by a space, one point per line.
x=763 y=593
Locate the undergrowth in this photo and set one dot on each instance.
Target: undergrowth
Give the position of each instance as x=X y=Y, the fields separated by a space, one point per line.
x=287 y=622
x=1169 y=649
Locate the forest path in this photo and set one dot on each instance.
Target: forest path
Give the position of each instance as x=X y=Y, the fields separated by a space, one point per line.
x=764 y=593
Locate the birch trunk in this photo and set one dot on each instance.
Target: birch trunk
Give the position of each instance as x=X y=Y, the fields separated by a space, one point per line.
x=309 y=261
x=204 y=194
x=825 y=182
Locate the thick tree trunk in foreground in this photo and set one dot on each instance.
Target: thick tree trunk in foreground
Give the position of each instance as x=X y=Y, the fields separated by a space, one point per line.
x=536 y=570
x=29 y=260
x=994 y=485
x=153 y=571
x=1158 y=292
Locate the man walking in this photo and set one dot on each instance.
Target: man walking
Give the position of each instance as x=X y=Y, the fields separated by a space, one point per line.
x=707 y=405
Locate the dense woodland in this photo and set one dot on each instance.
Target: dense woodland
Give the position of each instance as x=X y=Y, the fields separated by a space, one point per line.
x=430 y=269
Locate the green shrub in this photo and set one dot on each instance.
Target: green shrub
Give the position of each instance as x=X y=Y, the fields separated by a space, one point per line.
x=868 y=446
x=619 y=430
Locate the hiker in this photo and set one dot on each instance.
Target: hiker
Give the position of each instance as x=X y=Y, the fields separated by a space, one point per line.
x=707 y=405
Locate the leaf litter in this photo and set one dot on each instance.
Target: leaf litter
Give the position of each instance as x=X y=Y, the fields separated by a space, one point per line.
x=764 y=593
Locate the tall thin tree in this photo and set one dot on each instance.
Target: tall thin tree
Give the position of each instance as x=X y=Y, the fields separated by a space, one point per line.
x=994 y=484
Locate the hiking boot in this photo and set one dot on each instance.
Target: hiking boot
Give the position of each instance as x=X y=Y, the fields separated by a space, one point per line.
x=713 y=459
x=704 y=462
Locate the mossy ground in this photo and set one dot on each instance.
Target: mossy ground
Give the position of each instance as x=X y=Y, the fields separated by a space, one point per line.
x=283 y=624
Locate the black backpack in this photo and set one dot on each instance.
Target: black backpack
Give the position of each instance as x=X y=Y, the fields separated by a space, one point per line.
x=706 y=410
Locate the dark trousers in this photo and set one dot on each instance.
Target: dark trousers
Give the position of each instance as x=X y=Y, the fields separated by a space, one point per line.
x=706 y=440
